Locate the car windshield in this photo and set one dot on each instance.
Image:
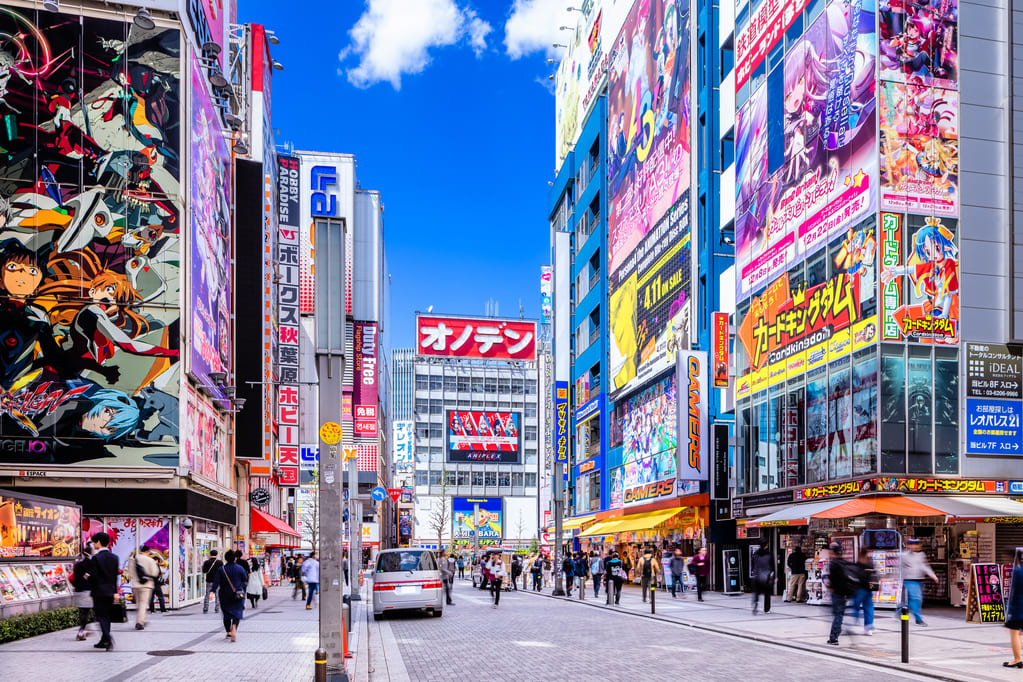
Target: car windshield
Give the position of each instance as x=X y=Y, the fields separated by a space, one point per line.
x=411 y=560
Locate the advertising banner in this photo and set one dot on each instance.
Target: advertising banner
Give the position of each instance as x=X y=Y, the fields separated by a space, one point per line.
x=694 y=420
x=650 y=440
x=486 y=338
x=719 y=491
x=404 y=447
x=546 y=294
x=488 y=527
x=651 y=306
x=994 y=370
x=801 y=183
x=767 y=26
x=993 y=427
x=985 y=602
x=309 y=459
x=649 y=119
x=561 y=452
x=91 y=227
x=483 y=436
x=721 y=350
x=921 y=286
x=205 y=448
x=288 y=332
x=366 y=394
x=30 y=527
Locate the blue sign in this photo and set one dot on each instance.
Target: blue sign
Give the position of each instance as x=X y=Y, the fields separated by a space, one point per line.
x=310 y=457
x=993 y=427
x=561 y=421
x=1015 y=487
x=379 y=494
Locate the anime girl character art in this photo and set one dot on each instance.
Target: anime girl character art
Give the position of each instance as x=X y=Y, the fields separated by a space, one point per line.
x=806 y=88
x=919 y=39
x=933 y=268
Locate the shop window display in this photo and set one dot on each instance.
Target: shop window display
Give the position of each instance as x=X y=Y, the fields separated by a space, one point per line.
x=920 y=410
x=893 y=411
x=794 y=429
x=840 y=421
x=865 y=413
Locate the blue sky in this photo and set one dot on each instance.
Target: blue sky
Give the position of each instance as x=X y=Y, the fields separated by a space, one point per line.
x=445 y=105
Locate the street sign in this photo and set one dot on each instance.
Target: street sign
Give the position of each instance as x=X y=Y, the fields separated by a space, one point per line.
x=395 y=493
x=379 y=493
x=260 y=497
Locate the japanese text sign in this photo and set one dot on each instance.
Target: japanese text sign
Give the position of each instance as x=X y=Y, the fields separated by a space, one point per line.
x=485 y=338
x=561 y=420
x=721 y=360
x=993 y=427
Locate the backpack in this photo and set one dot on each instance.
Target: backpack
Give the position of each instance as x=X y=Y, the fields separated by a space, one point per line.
x=142 y=576
x=842 y=582
x=648 y=567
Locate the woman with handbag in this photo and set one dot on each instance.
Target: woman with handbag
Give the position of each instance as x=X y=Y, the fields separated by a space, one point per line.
x=230 y=584
x=255 y=588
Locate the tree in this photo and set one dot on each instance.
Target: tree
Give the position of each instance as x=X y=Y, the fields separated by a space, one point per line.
x=520 y=527
x=309 y=512
x=440 y=516
x=534 y=546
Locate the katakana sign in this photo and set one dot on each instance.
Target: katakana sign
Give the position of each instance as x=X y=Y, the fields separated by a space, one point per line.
x=486 y=338
x=993 y=427
x=994 y=370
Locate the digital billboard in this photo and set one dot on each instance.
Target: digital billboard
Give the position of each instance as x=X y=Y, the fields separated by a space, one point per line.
x=806 y=155
x=649 y=126
x=486 y=338
x=483 y=436
x=487 y=527
x=90 y=233
x=650 y=439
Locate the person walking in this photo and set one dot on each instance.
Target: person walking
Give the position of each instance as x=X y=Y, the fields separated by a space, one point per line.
x=597 y=571
x=582 y=569
x=647 y=571
x=447 y=575
x=297 y=580
x=537 y=571
x=843 y=581
x=311 y=576
x=1014 y=612
x=461 y=567
x=142 y=571
x=797 y=579
x=568 y=571
x=763 y=577
x=516 y=571
x=700 y=567
x=863 y=600
x=614 y=573
x=83 y=599
x=497 y=574
x=677 y=566
x=230 y=586
x=103 y=572
x=915 y=570
x=210 y=568
x=158 y=582
x=254 y=588
x=548 y=572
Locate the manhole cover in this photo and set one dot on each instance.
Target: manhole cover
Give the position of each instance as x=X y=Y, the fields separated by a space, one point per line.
x=178 y=615
x=271 y=611
x=170 y=652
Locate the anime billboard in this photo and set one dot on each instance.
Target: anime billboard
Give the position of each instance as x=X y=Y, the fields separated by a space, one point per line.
x=210 y=245
x=649 y=116
x=650 y=432
x=89 y=230
x=805 y=147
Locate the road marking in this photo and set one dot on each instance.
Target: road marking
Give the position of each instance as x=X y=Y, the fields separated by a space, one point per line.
x=546 y=645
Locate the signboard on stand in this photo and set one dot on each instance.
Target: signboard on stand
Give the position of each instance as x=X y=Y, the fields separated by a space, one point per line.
x=985 y=603
x=733 y=571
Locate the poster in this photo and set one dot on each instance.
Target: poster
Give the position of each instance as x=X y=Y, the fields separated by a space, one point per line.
x=994 y=370
x=993 y=427
x=34 y=528
x=650 y=443
x=985 y=603
x=488 y=527
x=801 y=183
x=694 y=420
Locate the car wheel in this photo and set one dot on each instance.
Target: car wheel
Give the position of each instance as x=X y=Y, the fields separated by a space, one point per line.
x=378 y=616
x=438 y=613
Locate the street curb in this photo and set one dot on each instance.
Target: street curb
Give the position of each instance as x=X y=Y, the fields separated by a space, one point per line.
x=834 y=653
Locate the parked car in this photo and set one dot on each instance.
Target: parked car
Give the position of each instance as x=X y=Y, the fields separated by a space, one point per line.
x=405 y=579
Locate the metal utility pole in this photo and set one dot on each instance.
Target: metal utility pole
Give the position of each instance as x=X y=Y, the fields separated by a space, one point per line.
x=354 y=529
x=475 y=529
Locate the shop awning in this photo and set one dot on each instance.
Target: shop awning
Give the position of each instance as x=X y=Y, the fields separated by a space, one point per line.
x=573 y=523
x=976 y=509
x=794 y=515
x=893 y=506
x=633 y=522
x=261 y=522
x=600 y=528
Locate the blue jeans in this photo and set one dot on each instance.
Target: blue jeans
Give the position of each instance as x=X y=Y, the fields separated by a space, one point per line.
x=864 y=601
x=837 y=612
x=313 y=589
x=914 y=596
x=597 y=579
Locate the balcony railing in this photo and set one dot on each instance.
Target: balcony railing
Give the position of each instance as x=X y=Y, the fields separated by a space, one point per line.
x=594 y=279
x=594 y=335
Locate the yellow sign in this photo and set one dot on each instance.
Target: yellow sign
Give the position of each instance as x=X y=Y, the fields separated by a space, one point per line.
x=350 y=453
x=330 y=433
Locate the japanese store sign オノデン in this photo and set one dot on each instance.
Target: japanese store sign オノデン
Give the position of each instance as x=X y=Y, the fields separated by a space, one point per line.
x=484 y=338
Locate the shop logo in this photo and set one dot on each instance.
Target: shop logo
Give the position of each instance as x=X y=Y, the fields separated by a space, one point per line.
x=694 y=413
x=650 y=490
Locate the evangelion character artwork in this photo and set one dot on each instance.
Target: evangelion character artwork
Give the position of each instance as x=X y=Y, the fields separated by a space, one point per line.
x=810 y=177
x=89 y=225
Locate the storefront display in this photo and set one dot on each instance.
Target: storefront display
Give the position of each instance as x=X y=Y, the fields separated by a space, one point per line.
x=35 y=527
x=885 y=547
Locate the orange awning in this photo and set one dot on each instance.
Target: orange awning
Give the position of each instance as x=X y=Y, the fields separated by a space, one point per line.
x=893 y=506
x=265 y=523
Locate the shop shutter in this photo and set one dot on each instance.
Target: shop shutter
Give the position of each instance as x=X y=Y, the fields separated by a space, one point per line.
x=1008 y=536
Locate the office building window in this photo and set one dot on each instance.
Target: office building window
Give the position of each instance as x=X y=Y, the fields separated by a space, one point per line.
x=530 y=479
x=436 y=407
x=464 y=384
x=422 y=477
x=463 y=478
x=422 y=382
x=530 y=388
x=477 y=384
x=504 y=385
x=436 y=431
x=530 y=456
x=436 y=383
x=491 y=477
x=450 y=383
x=530 y=433
x=491 y=384
x=434 y=477
x=436 y=455
x=477 y=479
x=517 y=386
x=504 y=478
x=517 y=479
x=530 y=410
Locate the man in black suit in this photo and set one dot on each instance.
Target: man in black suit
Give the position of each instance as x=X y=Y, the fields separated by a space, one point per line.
x=104 y=570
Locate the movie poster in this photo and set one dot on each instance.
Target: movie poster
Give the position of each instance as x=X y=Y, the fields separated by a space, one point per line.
x=810 y=177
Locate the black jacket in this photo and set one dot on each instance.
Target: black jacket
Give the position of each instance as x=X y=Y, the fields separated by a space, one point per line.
x=797 y=563
x=103 y=572
x=763 y=568
x=211 y=567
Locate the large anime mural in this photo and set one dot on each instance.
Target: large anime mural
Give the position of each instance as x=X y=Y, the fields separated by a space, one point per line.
x=89 y=229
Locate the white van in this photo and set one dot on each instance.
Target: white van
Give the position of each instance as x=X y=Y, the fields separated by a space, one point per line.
x=407 y=579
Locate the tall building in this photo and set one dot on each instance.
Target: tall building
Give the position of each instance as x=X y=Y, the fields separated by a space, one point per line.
x=476 y=430
x=402 y=373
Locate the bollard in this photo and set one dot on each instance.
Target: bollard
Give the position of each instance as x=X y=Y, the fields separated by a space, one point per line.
x=321 y=665
x=582 y=589
x=905 y=634
x=653 y=594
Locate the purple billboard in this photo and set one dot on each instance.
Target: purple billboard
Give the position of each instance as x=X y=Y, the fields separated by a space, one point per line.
x=210 y=250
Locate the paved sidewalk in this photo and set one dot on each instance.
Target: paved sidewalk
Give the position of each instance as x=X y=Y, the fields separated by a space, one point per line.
x=276 y=641
x=948 y=648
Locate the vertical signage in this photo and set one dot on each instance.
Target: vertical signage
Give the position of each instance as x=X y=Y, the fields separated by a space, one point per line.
x=721 y=359
x=733 y=572
x=546 y=294
x=694 y=426
x=561 y=420
x=365 y=367
x=288 y=446
x=891 y=293
x=985 y=603
x=720 y=489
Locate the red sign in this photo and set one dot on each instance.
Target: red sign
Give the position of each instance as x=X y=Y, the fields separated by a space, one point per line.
x=467 y=337
x=395 y=493
x=721 y=359
x=289 y=476
x=766 y=27
x=365 y=420
x=483 y=431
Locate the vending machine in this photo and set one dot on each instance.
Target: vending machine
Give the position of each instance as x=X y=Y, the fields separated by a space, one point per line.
x=885 y=546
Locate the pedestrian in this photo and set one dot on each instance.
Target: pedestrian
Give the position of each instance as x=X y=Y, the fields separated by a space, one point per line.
x=797 y=579
x=103 y=571
x=142 y=571
x=763 y=577
x=537 y=571
x=242 y=563
x=843 y=581
x=700 y=567
x=254 y=588
x=914 y=570
x=548 y=572
x=677 y=565
x=296 y=578
x=210 y=568
x=80 y=581
x=648 y=565
x=497 y=574
x=597 y=571
x=485 y=562
x=863 y=600
x=615 y=574
x=447 y=575
x=461 y=567
x=582 y=569
x=311 y=576
x=568 y=572
x=1014 y=611
x=230 y=585
x=158 y=582
x=516 y=571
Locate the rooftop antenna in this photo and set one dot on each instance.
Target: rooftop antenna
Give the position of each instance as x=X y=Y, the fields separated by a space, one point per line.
x=522 y=311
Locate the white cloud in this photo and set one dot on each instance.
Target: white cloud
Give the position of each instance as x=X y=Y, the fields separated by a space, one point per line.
x=533 y=26
x=393 y=37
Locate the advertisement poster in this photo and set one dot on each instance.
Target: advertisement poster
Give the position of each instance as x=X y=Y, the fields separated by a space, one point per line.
x=650 y=439
x=801 y=183
x=985 y=603
x=694 y=420
x=404 y=448
x=561 y=445
x=90 y=232
x=546 y=294
x=33 y=528
x=993 y=427
x=364 y=342
x=206 y=446
x=483 y=436
x=487 y=529
x=651 y=307
x=649 y=119
x=921 y=282
x=994 y=370
x=721 y=350
x=765 y=29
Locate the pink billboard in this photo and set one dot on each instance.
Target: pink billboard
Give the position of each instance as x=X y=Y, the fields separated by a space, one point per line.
x=366 y=378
